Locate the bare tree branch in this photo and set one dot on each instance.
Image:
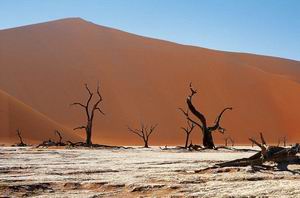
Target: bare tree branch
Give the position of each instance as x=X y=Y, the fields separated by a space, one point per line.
x=193 y=91
x=217 y=122
x=78 y=103
x=262 y=139
x=206 y=131
x=87 y=88
x=188 y=130
x=136 y=131
x=20 y=138
x=100 y=110
x=90 y=113
x=59 y=135
x=81 y=127
x=263 y=147
x=186 y=113
x=144 y=132
x=151 y=130
x=199 y=115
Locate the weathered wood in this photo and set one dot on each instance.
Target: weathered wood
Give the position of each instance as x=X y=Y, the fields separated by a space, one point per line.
x=90 y=113
x=47 y=143
x=83 y=144
x=60 y=142
x=144 y=133
x=207 y=138
x=20 y=138
x=188 y=130
x=276 y=154
x=228 y=139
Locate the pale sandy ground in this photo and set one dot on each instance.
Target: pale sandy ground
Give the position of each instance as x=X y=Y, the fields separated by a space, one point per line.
x=135 y=173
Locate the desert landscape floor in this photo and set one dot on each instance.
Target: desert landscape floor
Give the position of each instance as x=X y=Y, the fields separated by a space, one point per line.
x=136 y=172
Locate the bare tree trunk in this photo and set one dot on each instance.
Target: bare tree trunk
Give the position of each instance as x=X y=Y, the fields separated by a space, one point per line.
x=88 y=140
x=146 y=144
x=226 y=141
x=90 y=112
x=144 y=133
x=20 y=138
x=60 y=143
x=187 y=140
x=188 y=130
x=281 y=156
x=207 y=140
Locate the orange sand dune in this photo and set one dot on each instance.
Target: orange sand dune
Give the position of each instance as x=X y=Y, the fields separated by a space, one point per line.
x=34 y=126
x=142 y=79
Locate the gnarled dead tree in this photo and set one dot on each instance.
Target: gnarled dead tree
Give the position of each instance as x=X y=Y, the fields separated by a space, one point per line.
x=144 y=133
x=207 y=138
x=229 y=139
x=280 y=155
x=20 y=138
x=90 y=113
x=60 y=142
x=188 y=130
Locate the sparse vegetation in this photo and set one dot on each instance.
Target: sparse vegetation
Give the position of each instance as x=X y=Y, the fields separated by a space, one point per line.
x=207 y=138
x=188 y=130
x=144 y=133
x=20 y=138
x=90 y=113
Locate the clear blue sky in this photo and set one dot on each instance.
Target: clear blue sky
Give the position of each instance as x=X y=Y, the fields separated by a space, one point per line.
x=270 y=27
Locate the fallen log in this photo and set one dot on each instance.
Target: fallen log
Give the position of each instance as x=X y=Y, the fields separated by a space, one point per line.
x=281 y=156
x=83 y=144
x=47 y=143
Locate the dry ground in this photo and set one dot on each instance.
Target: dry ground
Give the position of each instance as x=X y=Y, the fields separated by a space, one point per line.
x=135 y=172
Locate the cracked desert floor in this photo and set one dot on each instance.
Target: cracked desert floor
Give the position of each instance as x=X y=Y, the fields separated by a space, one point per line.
x=136 y=172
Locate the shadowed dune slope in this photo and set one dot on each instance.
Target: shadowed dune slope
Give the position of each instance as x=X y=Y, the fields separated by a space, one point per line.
x=46 y=65
x=34 y=126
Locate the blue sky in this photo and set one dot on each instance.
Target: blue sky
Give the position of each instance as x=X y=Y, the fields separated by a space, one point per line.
x=269 y=27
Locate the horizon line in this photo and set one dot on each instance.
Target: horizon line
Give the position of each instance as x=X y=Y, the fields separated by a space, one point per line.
x=150 y=37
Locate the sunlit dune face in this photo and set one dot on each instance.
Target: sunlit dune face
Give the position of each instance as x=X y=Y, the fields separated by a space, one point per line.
x=141 y=80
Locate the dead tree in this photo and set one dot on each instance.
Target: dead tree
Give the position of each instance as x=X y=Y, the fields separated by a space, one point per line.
x=283 y=139
x=188 y=130
x=60 y=142
x=20 y=138
x=90 y=113
x=252 y=144
x=207 y=138
x=144 y=132
x=279 y=155
x=229 y=139
x=47 y=143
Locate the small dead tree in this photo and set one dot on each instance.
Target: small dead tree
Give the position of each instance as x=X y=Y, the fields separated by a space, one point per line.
x=60 y=142
x=207 y=138
x=20 y=138
x=144 y=132
x=188 y=130
x=59 y=136
x=229 y=139
x=90 y=113
x=283 y=139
